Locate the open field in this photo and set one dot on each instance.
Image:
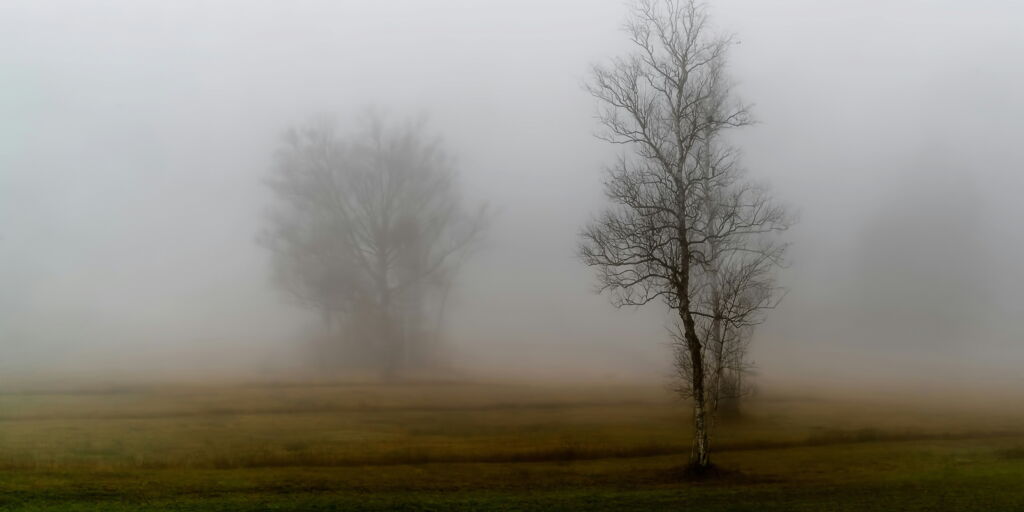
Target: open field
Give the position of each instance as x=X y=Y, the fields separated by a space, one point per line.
x=467 y=446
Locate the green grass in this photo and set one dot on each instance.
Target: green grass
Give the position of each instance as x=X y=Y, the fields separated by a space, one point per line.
x=473 y=446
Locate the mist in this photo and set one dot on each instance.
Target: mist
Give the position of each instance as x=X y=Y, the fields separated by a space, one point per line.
x=136 y=139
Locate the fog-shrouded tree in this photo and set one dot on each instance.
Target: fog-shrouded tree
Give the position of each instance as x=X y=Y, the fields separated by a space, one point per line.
x=369 y=228
x=685 y=225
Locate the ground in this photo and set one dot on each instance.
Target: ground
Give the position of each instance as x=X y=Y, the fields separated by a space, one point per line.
x=350 y=445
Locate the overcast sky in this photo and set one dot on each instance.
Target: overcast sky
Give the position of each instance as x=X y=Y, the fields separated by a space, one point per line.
x=134 y=138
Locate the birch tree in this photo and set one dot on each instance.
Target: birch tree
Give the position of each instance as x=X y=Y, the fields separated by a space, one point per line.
x=684 y=226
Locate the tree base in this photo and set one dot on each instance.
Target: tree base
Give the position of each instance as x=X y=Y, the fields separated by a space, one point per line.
x=693 y=472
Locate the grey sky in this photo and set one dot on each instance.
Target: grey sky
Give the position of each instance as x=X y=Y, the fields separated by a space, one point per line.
x=134 y=137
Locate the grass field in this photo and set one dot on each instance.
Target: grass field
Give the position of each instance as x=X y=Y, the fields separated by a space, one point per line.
x=502 y=446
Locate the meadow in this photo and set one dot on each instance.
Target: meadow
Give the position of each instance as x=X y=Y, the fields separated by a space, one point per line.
x=462 y=445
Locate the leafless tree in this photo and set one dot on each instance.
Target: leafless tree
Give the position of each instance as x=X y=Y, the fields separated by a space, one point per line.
x=737 y=276
x=368 y=229
x=684 y=226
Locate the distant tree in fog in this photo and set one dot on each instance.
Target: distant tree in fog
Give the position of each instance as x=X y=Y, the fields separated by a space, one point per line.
x=368 y=229
x=923 y=290
x=685 y=226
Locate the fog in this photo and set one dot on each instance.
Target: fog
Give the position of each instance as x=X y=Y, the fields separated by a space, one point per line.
x=135 y=139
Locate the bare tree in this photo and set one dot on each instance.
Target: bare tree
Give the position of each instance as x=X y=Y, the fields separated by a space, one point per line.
x=737 y=276
x=368 y=229
x=684 y=226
